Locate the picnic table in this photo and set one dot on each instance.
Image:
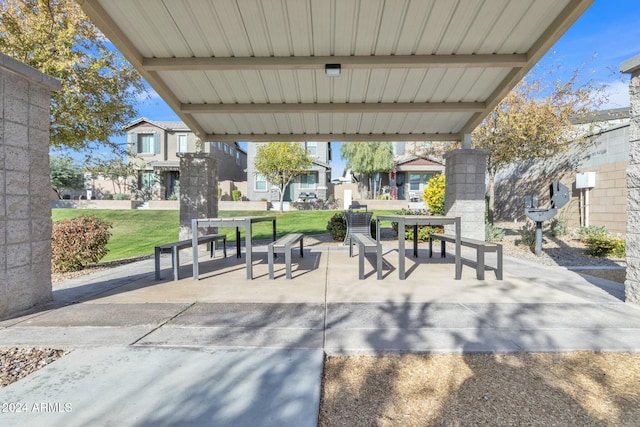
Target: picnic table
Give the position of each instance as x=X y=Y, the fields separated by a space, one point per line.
x=414 y=221
x=237 y=222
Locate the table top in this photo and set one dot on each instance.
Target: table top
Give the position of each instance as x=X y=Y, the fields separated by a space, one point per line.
x=231 y=219
x=418 y=219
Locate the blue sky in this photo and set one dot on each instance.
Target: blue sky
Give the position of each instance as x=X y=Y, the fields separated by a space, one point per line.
x=606 y=35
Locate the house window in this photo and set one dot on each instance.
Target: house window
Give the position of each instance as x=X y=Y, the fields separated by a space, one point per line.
x=231 y=151
x=182 y=143
x=226 y=148
x=146 y=143
x=308 y=180
x=219 y=145
x=312 y=148
x=261 y=183
x=237 y=157
x=146 y=179
x=414 y=181
x=427 y=177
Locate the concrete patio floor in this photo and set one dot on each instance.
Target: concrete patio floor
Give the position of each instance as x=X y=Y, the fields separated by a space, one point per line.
x=155 y=346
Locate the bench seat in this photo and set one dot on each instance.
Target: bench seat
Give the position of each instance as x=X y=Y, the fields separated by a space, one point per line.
x=366 y=244
x=480 y=246
x=284 y=245
x=174 y=248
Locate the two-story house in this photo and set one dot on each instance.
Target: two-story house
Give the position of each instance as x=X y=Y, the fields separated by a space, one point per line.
x=155 y=147
x=316 y=180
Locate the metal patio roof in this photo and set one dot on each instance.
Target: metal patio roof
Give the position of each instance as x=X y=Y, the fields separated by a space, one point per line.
x=254 y=70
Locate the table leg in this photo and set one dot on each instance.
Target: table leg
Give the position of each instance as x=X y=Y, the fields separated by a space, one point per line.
x=274 y=234
x=415 y=241
x=401 y=274
x=238 y=254
x=194 y=247
x=458 y=250
x=248 y=250
x=378 y=251
x=157 y=262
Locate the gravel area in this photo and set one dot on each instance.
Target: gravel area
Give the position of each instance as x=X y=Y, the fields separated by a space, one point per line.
x=18 y=362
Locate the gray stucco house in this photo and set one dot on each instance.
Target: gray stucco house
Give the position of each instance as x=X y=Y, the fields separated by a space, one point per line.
x=316 y=180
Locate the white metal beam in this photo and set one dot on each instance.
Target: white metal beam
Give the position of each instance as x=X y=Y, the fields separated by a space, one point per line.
x=333 y=137
x=406 y=107
x=318 y=62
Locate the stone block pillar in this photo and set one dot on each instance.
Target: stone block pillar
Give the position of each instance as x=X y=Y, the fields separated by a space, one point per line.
x=25 y=187
x=632 y=283
x=464 y=195
x=198 y=190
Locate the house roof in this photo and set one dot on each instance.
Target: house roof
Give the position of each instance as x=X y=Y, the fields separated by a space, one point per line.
x=166 y=125
x=413 y=163
x=254 y=70
x=416 y=160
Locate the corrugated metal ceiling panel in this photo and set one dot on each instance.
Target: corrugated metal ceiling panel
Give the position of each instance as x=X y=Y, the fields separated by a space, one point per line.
x=169 y=29
x=354 y=86
x=227 y=28
x=360 y=123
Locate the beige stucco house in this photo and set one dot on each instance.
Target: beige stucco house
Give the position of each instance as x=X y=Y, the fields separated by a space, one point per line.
x=156 y=146
x=595 y=173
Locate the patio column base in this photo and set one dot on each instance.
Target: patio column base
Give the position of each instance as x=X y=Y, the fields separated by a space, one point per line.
x=198 y=191
x=465 y=189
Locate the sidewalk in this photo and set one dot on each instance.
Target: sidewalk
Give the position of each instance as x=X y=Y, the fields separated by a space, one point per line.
x=227 y=351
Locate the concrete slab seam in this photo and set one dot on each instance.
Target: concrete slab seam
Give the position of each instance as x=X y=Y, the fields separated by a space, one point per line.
x=163 y=323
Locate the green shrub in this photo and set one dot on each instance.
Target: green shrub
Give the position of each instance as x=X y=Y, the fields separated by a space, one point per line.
x=236 y=195
x=219 y=193
x=78 y=242
x=601 y=245
x=433 y=194
x=528 y=234
x=337 y=226
x=593 y=230
x=493 y=233
x=558 y=227
x=423 y=232
x=122 y=196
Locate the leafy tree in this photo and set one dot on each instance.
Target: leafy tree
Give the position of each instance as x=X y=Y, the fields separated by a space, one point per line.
x=280 y=162
x=368 y=158
x=534 y=121
x=64 y=174
x=113 y=169
x=99 y=87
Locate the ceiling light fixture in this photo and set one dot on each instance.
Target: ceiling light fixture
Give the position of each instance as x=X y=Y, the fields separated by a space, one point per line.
x=332 y=70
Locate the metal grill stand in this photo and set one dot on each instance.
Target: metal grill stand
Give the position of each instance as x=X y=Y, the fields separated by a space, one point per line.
x=559 y=196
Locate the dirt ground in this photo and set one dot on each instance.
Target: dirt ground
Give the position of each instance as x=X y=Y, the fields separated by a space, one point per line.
x=560 y=389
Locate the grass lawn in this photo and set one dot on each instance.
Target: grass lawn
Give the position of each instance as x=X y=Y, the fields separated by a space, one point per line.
x=137 y=232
